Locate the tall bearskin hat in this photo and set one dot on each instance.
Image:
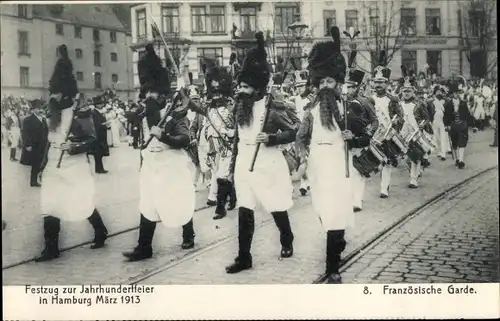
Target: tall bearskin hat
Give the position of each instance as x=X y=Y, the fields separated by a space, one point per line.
x=152 y=75
x=325 y=60
x=63 y=81
x=255 y=70
x=381 y=71
x=221 y=76
x=232 y=58
x=194 y=91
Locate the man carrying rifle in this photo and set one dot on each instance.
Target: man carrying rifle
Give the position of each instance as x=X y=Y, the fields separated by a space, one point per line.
x=166 y=189
x=322 y=139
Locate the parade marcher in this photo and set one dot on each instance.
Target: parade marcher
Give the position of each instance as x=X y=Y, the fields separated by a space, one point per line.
x=102 y=149
x=415 y=115
x=194 y=95
x=13 y=126
x=321 y=139
x=386 y=107
x=495 y=122
x=219 y=131
x=166 y=189
x=35 y=139
x=455 y=118
x=68 y=185
x=269 y=183
x=436 y=109
x=135 y=123
x=367 y=123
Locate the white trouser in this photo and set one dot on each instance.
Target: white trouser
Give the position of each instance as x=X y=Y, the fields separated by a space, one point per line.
x=385 y=179
x=358 y=183
x=441 y=138
x=414 y=172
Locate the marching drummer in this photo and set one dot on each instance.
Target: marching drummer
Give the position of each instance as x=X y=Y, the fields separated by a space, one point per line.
x=386 y=106
x=415 y=113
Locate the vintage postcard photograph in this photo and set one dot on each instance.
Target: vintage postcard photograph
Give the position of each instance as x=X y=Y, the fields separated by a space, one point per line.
x=261 y=159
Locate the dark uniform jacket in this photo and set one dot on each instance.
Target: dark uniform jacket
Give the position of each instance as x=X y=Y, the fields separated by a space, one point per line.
x=361 y=121
x=450 y=114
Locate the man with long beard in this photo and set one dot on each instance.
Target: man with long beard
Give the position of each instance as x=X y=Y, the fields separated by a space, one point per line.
x=269 y=183
x=68 y=185
x=386 y=106
x=455 y=118
x=166 y=189
x=322 y=137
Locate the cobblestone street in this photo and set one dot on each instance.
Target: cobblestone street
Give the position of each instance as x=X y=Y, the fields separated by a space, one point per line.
x=454 y=240
x=216 y=242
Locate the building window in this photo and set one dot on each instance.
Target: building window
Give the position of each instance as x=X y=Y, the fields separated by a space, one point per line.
x=97 y=80
x=170 y=20
x=114 y=78
x=199 y=18
x=434 y=62
x=217 y=19
x=78 y=32
x=330 y=20
x=351 y=19
x=97 y=58
x=24 y=77
x=141 y=24
x=96 y=35
x=59 y=29
x=78 y=53
x=374 y=22
x=210 y=54
x=248 y=20
x=79 y=76
x=409 y=60
x=433 y=22
x=112 y=36
x=114 y=56
x=476 y=20
x=290 y=52
x=22 y=10
x=408 y=21
x=285 y=16
x=23 y=43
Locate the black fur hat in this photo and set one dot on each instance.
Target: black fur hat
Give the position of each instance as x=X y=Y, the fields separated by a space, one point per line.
x=152 y=75
x=220 y=75
x=255 y=70
x=382 y=72
x=326 y=60
x=232 y=58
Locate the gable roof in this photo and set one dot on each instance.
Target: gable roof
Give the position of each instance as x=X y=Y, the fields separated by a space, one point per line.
x=92 y=15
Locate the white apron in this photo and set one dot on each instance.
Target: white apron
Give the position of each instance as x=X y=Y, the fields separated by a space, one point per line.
x=67 y=192
x=166 y=185
x=270 y=183
x=14 y=136
x=331 y=191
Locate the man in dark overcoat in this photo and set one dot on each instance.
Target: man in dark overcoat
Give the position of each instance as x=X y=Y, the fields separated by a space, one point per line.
x=101 y=147
x=35 y=140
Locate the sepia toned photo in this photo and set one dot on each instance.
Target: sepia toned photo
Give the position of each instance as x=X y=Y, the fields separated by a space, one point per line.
x=249 y=143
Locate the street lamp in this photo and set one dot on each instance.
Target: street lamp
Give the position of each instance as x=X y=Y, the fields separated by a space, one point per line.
x=297 y=29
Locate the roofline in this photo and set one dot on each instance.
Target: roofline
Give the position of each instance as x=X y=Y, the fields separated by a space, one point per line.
x=124 y=30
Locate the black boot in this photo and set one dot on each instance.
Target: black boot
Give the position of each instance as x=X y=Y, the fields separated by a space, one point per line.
x=188 y=235
x=223 y=191
x=246 y=228
x=13 y=155
x=286 y=236
x=100 y=230
x=232 y=198
x=144 y=248
x=51 y=228
x=335 y=245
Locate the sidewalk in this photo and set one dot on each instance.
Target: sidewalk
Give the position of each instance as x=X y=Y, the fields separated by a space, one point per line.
x=206 y=265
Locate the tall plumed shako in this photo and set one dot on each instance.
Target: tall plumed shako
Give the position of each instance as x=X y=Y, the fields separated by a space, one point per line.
x=326 y=60
x=381 y=72
x=63 y=81
x=152 y=75
x=255 y=70
x=354 y=76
